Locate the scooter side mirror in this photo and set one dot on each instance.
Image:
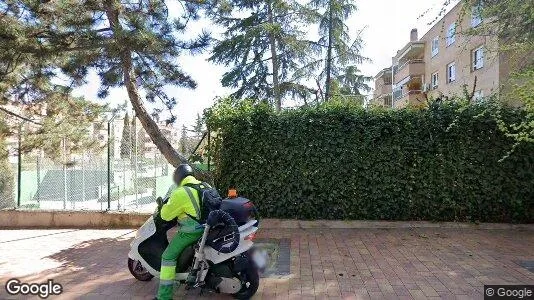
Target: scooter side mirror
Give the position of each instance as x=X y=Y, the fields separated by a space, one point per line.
x=159 y=201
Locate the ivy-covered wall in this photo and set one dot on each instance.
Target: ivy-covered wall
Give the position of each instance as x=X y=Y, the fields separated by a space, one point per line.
x=341 y=162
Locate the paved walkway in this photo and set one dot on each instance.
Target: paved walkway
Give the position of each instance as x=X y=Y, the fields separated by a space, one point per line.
x=325 y=264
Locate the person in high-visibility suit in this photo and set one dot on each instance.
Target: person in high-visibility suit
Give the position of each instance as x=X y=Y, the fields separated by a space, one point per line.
x=183 y=204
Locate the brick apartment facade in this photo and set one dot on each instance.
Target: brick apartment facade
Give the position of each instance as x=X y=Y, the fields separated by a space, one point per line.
x=442 y=61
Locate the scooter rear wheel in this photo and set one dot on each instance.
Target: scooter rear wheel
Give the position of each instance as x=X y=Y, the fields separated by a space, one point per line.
x=138 y=271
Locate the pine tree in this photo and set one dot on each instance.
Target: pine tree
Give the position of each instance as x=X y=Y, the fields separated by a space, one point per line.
x=352 y=83
x=263 y=45
x=141 y=142
x=26 y=82
x=183 y=139
x=341 y=55
x=134 y=45
x=126 y=145
x=199 y=124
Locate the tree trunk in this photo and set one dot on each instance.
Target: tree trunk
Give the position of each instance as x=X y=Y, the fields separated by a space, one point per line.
x=152 y=129
x=329 y=52
x=274 y=59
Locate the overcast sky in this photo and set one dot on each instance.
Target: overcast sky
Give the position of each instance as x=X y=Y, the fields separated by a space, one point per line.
x=387 y=26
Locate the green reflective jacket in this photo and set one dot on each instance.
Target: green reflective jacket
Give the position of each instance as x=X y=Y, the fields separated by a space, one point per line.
x=181 y=204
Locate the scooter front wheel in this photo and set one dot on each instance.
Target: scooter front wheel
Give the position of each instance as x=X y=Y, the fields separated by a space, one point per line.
x=138 y=271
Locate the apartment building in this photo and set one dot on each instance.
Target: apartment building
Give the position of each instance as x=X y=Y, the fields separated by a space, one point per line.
x=444 y=60
x=142 y=139
x=383 y=89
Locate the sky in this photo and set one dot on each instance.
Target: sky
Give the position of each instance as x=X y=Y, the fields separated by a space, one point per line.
x=386 y=28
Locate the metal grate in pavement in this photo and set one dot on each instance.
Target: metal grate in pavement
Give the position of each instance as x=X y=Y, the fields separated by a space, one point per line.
x=527 y=264
x=279 y=256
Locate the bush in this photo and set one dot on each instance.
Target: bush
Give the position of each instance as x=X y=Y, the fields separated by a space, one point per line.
x=338 y=161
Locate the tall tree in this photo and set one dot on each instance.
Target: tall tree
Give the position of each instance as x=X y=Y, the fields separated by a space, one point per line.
x=133 y=45
x=126 y=145
x=183 y=139
x=63 y=118
x=141 y=142
x=138 y=138
x=199 y=124
x=352 y=82
x=26 y=86
x=263 y=45
x=341 y=53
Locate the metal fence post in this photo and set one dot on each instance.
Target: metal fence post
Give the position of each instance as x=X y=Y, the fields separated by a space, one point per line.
x=109 y=162
x=19 y=166
x=83 y=177
x=155 y=175
x=64 y=173
x=135 y=161
x=123 y=186
x=209 y=149
x=38 y=167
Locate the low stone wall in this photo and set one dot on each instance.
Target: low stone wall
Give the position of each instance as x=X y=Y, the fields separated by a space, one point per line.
x=69 y=219
x=14 y=219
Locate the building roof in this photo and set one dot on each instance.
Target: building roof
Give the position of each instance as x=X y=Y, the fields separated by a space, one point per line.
x=383 y=71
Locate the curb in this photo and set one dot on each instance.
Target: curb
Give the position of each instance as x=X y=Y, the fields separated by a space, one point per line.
x=363 y=224
x=18 y=218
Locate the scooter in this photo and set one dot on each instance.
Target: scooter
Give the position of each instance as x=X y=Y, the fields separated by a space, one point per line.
x=224 y=260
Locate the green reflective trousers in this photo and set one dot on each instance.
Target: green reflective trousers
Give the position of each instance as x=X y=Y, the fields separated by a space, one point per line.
x=168 y=261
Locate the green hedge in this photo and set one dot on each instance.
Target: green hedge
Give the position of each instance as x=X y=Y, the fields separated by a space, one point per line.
x=339 y=161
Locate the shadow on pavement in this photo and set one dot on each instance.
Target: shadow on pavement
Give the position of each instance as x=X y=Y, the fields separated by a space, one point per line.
x=97 y=269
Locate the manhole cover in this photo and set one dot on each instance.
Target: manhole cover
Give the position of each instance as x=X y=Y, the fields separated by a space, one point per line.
x=279 y=255
x=527 y=264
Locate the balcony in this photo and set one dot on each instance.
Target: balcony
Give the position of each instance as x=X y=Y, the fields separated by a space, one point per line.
x=410 y=68
x=383 y=82
x=383 y=90
x=411 y=97
x=412 y=50
x=409 y=92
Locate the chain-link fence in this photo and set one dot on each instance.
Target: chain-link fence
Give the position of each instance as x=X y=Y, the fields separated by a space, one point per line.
x=125 y=171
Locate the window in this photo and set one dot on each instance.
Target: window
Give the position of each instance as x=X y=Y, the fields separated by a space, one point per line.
x=451 y=34
x=397 y=93
x=478 y=96
x=476 y=17
x=435 y=46
x=387 y=101
x=478 y=58
x=434 y=80
x=451 y=72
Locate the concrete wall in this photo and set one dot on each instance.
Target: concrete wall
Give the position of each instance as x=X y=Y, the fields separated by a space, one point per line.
x=69 y=219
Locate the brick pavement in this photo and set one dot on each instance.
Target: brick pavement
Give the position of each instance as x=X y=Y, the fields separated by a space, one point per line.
x=428 y=263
